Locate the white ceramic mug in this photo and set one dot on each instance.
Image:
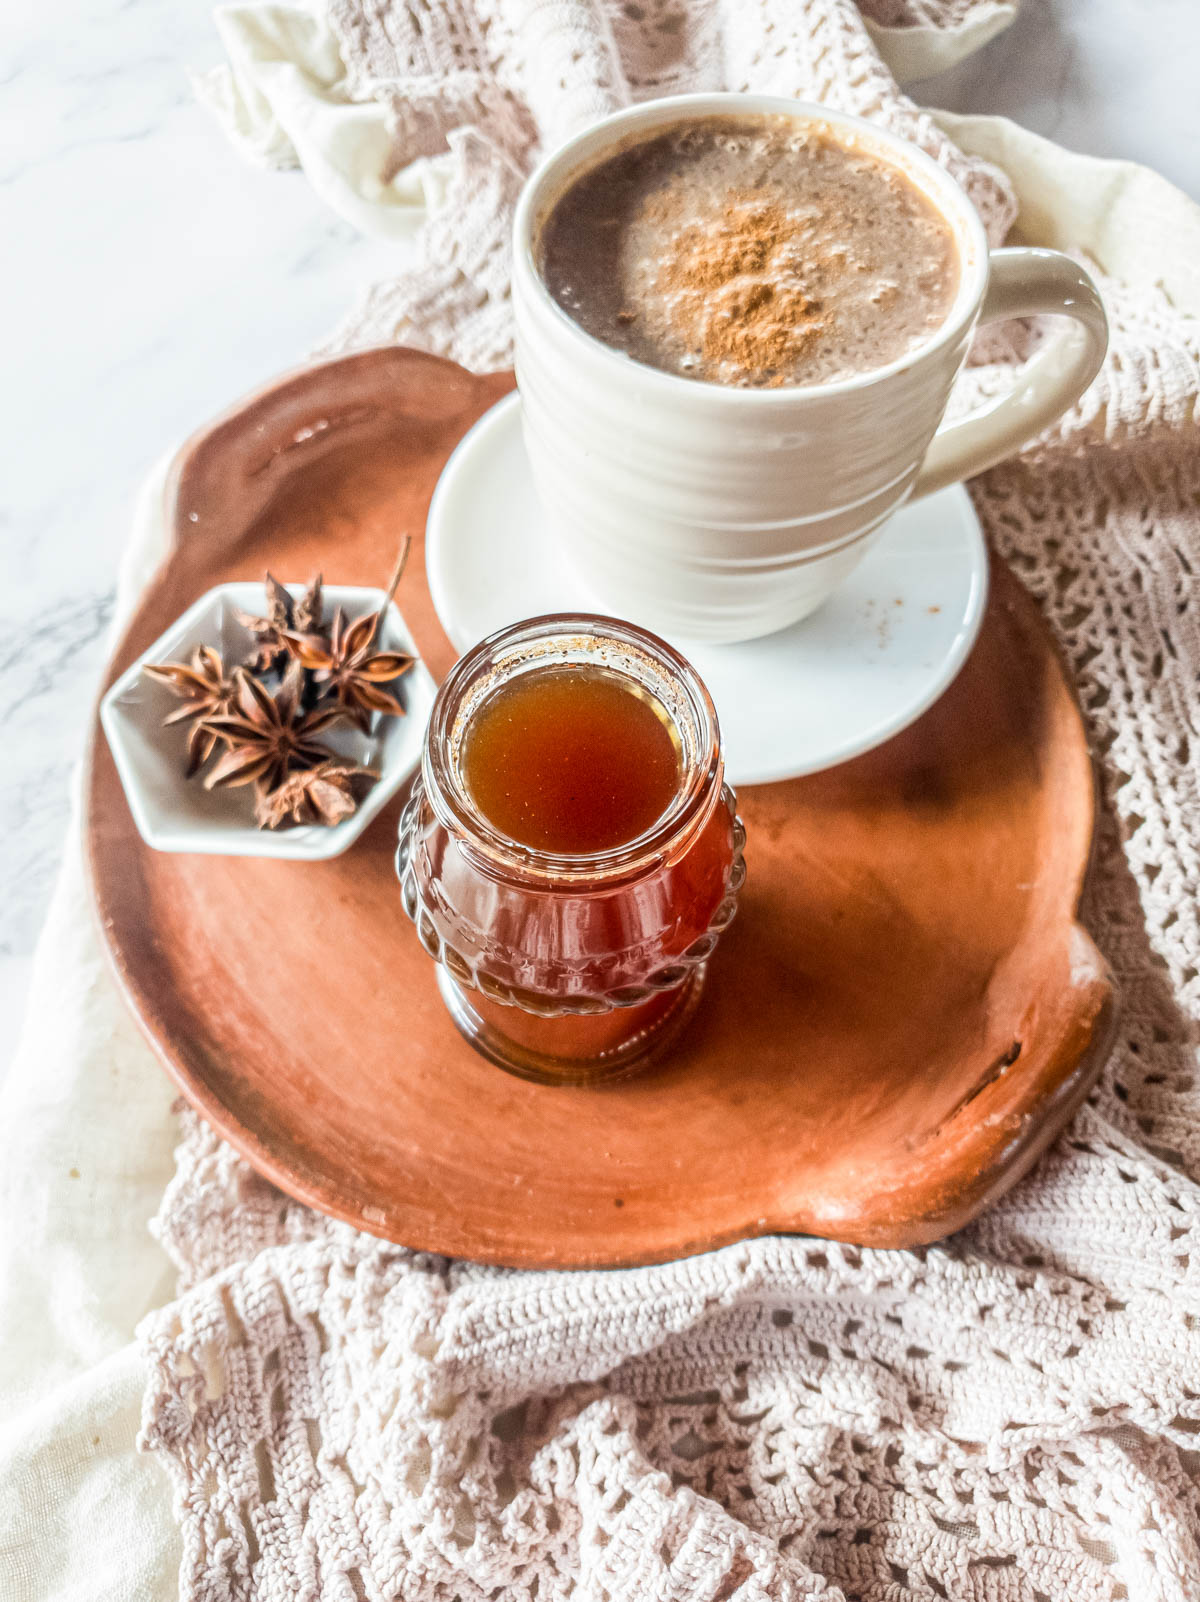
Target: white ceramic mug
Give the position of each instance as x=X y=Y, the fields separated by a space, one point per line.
x=721 y=513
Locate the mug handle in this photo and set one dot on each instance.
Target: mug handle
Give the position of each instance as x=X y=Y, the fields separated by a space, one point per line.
x=1023 y=283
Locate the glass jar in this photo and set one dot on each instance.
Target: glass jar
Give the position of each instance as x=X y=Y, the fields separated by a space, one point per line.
x=570 y=968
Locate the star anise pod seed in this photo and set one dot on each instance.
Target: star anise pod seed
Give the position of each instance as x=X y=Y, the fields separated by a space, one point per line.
x=324 y=794
x=268 y=735
x=282 y=614
x=345 y=662
x=206 y=692
x=309 y=612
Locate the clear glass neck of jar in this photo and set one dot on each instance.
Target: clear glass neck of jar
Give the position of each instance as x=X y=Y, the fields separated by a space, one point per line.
x=589 y=641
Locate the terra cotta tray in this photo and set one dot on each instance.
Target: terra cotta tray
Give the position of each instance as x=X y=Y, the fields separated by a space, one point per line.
x=904 y=1014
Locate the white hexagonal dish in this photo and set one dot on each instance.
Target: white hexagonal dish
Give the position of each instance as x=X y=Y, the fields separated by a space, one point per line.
x=174 y=813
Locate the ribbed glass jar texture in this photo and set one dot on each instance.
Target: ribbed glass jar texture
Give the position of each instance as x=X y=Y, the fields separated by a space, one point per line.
x=567 y=968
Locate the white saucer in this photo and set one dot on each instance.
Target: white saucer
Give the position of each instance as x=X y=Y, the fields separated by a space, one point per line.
x=877 y=654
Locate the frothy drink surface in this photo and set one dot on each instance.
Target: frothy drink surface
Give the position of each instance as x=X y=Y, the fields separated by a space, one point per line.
x=750 y=252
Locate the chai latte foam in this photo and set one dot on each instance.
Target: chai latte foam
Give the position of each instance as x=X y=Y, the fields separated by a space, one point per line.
x=753 y=251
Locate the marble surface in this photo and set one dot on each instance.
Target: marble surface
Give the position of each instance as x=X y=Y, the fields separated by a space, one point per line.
x=149 y=277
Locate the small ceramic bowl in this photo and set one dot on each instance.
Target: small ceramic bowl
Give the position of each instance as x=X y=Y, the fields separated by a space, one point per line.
x=174 y=813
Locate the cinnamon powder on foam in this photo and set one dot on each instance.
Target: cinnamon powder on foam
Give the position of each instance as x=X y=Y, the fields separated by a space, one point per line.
x=732 y=293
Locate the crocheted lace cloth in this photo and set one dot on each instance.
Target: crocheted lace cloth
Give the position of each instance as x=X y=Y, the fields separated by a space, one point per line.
x=1009 y=1416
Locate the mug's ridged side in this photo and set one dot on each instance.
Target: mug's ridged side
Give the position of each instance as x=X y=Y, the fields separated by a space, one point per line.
x=696 y=517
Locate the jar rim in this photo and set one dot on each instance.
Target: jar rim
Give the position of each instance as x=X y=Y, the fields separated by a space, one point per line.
x=517 y=647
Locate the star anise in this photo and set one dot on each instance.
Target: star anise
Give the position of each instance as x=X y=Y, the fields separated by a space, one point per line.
x=283 y=613
x=309 y=613
x=206 y=692
x=345 y=664
x=268 y=735
x=303 y=675
x=324 y=794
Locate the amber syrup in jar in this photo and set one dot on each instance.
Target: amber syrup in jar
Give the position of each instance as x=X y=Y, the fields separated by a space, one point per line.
x=572 y=759
x=571 y=853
